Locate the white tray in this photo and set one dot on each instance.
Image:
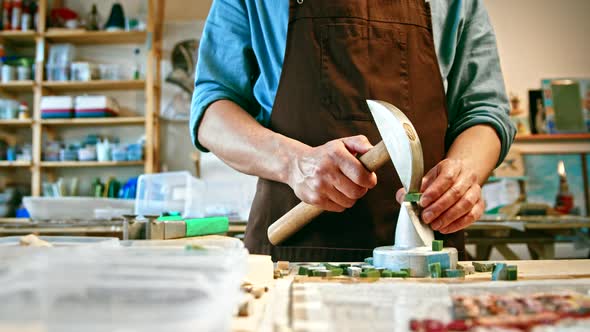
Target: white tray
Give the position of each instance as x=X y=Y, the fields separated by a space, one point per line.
x=72 y=208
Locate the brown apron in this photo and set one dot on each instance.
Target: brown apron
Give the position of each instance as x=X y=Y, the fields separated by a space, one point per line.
x=339 y=54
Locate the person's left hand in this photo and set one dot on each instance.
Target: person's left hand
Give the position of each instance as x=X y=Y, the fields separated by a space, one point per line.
x=451 y=197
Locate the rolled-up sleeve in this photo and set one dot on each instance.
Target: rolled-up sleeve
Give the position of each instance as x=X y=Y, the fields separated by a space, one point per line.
x=476 y=93
x=226 y=65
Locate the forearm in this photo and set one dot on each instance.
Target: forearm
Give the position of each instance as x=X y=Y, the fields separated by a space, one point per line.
x=479 y=149
x=241 y=142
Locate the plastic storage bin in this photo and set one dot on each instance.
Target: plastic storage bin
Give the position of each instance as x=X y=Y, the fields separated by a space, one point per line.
x=72 y=208
x=111 y=72
x=8 y=109
x=120 y=289
x=57 y=72
x=168 y=192
x=64 y=241
x=119 y=153
x=194 y=198
x=69 y=154
x=87 y=153
x=134 y=152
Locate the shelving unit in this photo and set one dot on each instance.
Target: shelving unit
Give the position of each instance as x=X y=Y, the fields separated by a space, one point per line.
x=5 y=164
x=96 y=37
x=550 y=144
x=115 y=121
x=41 y=40
x=16 y=123
x=72 y=164
x=17 y=86
x=98 y=85
x=18 y=37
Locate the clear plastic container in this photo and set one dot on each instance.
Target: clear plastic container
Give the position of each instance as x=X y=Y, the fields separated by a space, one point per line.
x=119 y=153
x=194 y=198
x=8 y=109
x=134 y=152
x=57 y=72
x=64 y=241
x=120 y=289
x=72 y=208
x=112 y=72
x=168 y=192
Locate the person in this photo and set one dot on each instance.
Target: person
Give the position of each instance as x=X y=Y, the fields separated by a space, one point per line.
x=281 y=90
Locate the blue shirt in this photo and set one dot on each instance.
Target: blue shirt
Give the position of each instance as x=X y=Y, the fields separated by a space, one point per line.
x=243 y=45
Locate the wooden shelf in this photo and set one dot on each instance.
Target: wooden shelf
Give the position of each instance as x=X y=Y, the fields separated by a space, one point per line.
x=16 y=123
x=115 y=121
x=96 y=37
x=18 y=37
x=72 y=164
x=17 y=86
x=5 y=163
x=14 y=220
x=98 y=85
x=553 y=138
x=553 y=144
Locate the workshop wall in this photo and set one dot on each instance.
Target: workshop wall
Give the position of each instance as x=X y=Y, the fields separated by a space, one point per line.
x=540 y=39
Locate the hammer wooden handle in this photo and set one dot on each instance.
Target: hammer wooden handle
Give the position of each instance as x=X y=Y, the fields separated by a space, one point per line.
x=303 y=213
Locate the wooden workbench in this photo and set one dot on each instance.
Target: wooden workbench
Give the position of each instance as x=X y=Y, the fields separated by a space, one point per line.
x=539 y=234
x=271 y=311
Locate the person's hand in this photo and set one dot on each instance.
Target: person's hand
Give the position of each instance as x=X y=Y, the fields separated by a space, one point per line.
x=451 y=197
x=330 y=176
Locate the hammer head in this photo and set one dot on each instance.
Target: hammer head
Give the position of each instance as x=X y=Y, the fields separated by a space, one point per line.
x=404 y=148
x=402 y=143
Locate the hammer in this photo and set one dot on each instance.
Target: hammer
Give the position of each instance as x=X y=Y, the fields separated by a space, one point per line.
x=400 y=144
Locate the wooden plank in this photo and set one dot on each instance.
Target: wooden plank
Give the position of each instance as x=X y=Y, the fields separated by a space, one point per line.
x=96 y=37
x=546 y=269
x=553 y=137
x=5 y=163
x=149 y=89
x=97 y=85
x=553 y=147
x=533 y=225
x=159 y=31
x=15 y=220
x=18 y=37
x=114 y=121
x=72 y=164
x=17 y=86
x=16 y=123
x=37 y=139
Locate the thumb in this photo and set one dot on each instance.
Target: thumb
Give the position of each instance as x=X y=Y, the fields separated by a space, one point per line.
x=357 y=144
x=400 y=195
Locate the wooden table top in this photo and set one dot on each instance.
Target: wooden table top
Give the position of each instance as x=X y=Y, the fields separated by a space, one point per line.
x=527 y=270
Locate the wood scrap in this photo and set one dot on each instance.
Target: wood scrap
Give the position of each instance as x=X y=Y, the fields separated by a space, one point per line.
x=33 y=240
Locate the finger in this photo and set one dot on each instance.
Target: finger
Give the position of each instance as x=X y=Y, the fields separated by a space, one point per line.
x=339 y=198
x=357 y=144
x=450 y=198
x=462 y=207
x=429 y=178
x=445 y=179
x=400 y=195
x=348 y=188
x=322 y=201
x=352 y=168
x=466 y=220
x=332 y=206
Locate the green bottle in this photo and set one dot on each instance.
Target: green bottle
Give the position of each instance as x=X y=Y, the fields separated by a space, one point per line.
x=97 y=188
x=113 y=190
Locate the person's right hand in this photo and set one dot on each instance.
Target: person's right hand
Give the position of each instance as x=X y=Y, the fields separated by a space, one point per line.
x=330 y=176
